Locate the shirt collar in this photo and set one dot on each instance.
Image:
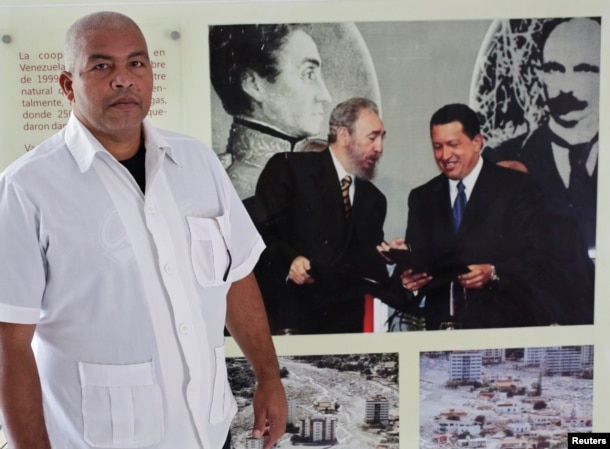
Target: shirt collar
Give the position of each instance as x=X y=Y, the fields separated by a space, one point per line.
x=562 y=160
x=469 y=180
x=341 y=172
x=84 y=146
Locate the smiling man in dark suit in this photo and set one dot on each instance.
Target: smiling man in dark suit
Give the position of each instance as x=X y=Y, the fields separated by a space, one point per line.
x=482 y=219
x=321 y=219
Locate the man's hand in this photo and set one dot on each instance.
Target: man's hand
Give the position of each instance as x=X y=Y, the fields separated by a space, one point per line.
x=247 y=322
x=414 y=282
x=270 y=410
x=478 y=276
x=384 y=247
x=298 y=272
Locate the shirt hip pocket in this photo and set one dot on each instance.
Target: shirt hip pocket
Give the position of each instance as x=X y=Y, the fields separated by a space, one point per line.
x=122 y=405
x=210 y=255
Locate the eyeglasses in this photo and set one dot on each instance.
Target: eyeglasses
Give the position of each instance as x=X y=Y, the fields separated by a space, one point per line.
x=230 y=259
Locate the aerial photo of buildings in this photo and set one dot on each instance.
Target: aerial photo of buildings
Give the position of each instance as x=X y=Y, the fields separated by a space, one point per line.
x=343 y=401
x=520 y=398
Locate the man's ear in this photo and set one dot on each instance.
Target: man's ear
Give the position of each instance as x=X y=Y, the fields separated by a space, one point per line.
x=343 y=134
x=478 y=141
x=65 y=82
x=251 y=84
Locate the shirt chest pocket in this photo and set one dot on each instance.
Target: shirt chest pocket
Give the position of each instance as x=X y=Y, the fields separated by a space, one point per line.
x=121 y=405
x=210 y=254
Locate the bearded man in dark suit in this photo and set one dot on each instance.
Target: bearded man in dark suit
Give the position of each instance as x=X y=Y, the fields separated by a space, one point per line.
x=321 y=219
x=474 y=236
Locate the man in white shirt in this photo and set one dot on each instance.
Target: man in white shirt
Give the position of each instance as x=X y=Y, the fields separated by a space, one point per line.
x=129 y=252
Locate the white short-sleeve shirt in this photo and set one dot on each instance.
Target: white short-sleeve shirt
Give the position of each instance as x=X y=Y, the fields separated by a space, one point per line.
x=128 y=290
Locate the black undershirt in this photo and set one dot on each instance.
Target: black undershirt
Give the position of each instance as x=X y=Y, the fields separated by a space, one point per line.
x=136 y=167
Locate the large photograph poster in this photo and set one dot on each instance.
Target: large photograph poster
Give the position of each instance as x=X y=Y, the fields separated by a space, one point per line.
x=411 y=58
x=522 y=78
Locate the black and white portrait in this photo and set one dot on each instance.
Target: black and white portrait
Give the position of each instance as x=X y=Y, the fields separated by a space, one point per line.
x=277 y=84
x=538 y=89
x=533 y=82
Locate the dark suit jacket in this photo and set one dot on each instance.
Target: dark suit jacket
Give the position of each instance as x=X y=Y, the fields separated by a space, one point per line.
x=501 y=226
x=537 y=154
x=569 y=230
x=298 y=210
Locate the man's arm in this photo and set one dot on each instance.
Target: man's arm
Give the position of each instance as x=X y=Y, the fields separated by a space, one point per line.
x=273 y=219
x=247 y=323
x=20 y=392
x=519 y=256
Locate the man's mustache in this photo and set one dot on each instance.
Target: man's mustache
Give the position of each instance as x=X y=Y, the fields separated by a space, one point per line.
x=564 y=103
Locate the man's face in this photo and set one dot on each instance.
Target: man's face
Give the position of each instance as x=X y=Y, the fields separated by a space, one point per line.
x=570 y=71
x=365 y=144
x=455 y=153
x=110 y=88
x=294 y=102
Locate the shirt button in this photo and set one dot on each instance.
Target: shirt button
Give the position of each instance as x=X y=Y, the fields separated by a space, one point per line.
x=150 y=209
x=183 y=328
x=168 y=268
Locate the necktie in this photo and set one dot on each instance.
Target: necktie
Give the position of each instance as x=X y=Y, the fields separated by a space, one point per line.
x=578 y=155
x=579 y=177
x=458 y=206
x=347 y=205
x=582 y=187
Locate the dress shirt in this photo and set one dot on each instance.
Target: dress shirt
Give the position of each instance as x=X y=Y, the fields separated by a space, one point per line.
x=469 y=181
x=126 y=289
x=562 y=160
x=341 y=173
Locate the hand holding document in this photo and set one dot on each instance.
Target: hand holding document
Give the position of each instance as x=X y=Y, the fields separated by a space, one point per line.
x=394 y=245
x=417 y=274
